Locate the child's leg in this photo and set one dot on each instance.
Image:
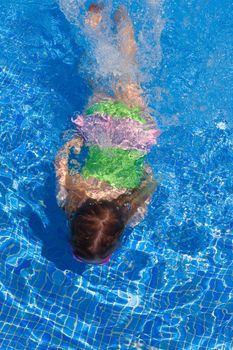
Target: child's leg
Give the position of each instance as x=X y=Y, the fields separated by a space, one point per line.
x=93 y=21
x=125 y=31
x=127 y=89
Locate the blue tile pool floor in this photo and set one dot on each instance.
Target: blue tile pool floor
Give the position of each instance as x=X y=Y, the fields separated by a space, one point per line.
x=169 y=286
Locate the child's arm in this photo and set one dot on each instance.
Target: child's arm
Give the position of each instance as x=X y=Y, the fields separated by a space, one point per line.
x=141 y=202
x=134 y=203
x=145 y=191
x=61 y=166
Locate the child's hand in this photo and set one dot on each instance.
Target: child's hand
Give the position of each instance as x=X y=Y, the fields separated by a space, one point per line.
x=79 y=120
x=148 y=179
x=147 y=170
x=76 y=143
x=61 y=161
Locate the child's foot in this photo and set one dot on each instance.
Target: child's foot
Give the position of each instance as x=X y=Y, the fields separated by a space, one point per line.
x=125 y=33
x=94 y=16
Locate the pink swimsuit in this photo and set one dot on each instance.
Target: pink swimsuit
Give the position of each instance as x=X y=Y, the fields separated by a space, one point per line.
x=124 y=133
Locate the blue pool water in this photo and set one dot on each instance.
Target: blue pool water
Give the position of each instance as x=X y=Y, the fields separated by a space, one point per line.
x=170 y=284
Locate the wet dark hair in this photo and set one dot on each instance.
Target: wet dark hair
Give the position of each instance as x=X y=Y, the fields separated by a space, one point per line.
x=96 y=229
x=97 y=226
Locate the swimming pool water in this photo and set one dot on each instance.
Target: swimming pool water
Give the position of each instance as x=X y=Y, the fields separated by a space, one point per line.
x=170 y=284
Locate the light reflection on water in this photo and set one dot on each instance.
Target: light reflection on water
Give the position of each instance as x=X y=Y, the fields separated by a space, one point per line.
x=169 y=286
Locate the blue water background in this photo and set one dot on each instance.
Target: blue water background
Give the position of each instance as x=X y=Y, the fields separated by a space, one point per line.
x=170 y=284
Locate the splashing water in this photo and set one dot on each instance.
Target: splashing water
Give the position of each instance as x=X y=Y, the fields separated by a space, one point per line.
x=103 y=61
x=72 y=10
x=169 y=286
x=150 y=35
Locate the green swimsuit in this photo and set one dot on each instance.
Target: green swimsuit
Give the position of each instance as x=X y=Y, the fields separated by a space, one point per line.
x=121 y=168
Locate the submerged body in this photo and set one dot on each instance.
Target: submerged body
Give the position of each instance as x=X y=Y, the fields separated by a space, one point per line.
x=114 y=186
x=112 y=168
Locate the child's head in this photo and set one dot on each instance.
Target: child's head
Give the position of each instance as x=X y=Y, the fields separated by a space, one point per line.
x=95 y=230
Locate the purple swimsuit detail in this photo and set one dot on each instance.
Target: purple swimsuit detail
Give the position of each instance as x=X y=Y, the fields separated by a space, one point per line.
x=124 y=133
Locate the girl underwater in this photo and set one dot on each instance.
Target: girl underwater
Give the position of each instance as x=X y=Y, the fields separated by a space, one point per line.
x=114 y=185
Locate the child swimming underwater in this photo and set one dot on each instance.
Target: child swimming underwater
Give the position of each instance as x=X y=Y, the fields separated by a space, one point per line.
x=114 y=185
